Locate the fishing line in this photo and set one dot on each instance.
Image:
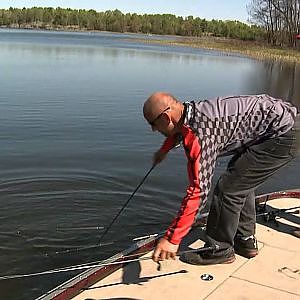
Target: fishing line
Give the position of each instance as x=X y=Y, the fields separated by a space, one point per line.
x=98 y=265
x=136 y=239
x=198 y=223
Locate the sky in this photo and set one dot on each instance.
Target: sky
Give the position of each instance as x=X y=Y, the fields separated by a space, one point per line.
x=209 y=9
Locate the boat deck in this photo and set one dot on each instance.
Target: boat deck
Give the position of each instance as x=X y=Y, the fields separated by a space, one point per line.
x=273 y=274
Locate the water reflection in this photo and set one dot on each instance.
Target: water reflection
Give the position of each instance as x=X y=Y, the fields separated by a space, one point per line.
x=283 y=80
x=74 y=144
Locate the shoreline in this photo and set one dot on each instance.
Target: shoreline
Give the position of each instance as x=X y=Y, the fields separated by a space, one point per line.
x=230 y=46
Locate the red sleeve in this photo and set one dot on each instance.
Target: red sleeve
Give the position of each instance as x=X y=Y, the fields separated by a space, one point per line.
x=168 y=144
x=190 y=204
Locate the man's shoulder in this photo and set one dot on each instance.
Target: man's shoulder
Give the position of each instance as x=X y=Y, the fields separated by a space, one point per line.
x=230 y=97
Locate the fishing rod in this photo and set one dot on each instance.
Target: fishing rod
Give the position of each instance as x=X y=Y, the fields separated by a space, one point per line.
x=125 y=204
x=98 y=264
x=100 y=244
x=79 y=228
x=113 y=220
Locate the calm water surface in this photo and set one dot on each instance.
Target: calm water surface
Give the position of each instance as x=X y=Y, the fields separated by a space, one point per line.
x=74 y=144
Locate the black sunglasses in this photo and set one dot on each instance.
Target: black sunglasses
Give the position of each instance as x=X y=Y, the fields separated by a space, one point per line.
x=153 y=121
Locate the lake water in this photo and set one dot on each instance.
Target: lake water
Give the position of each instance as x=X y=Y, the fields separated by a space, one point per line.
x=74 y=144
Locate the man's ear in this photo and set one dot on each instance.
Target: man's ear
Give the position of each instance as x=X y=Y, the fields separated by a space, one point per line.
x=166 y=119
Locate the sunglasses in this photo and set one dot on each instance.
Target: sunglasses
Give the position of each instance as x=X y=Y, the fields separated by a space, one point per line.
x=154 y=120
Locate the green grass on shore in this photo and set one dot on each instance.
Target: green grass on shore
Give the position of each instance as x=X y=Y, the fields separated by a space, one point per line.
x=247 y=48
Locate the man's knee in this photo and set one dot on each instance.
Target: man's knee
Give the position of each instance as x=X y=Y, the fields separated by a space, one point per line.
x=230 y=190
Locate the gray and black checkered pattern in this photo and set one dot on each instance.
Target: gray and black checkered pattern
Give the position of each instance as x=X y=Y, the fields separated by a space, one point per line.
x=224 y=125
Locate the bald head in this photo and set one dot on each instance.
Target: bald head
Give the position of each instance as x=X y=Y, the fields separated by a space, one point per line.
x=164 y=113
x=157 y=103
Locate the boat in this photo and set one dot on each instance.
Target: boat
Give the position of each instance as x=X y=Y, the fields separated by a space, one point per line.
x=273 y=273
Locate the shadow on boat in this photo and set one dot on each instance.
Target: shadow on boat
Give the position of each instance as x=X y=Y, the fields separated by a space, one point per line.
x=131 y=275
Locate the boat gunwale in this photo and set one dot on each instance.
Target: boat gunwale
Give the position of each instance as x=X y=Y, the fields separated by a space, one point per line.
x=75 y=285
x=277 y=195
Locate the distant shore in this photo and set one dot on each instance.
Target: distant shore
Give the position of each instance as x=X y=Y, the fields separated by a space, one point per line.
x=247 y=48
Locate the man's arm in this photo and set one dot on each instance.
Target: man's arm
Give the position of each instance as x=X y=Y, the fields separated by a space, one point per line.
x=168 y=245
x=169 y=143
x=182 y=223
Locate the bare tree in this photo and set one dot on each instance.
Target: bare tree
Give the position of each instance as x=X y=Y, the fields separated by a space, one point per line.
x=280 y=18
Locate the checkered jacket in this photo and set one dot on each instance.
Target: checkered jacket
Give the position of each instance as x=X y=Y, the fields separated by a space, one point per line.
x=218 y=127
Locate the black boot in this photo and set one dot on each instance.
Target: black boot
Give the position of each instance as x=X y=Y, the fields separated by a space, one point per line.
x=209 y=257
x=245 y=247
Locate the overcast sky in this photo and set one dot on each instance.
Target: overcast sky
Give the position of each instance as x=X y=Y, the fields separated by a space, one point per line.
x=209 y=9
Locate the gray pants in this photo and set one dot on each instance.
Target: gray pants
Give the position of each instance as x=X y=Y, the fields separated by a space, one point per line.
x=232 y=210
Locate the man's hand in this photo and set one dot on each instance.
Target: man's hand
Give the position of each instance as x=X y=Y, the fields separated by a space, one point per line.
x=164 y=250
x=158 y=157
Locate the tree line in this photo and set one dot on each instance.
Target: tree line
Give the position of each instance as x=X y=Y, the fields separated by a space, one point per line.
x=280 y=19
x=116 y=21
